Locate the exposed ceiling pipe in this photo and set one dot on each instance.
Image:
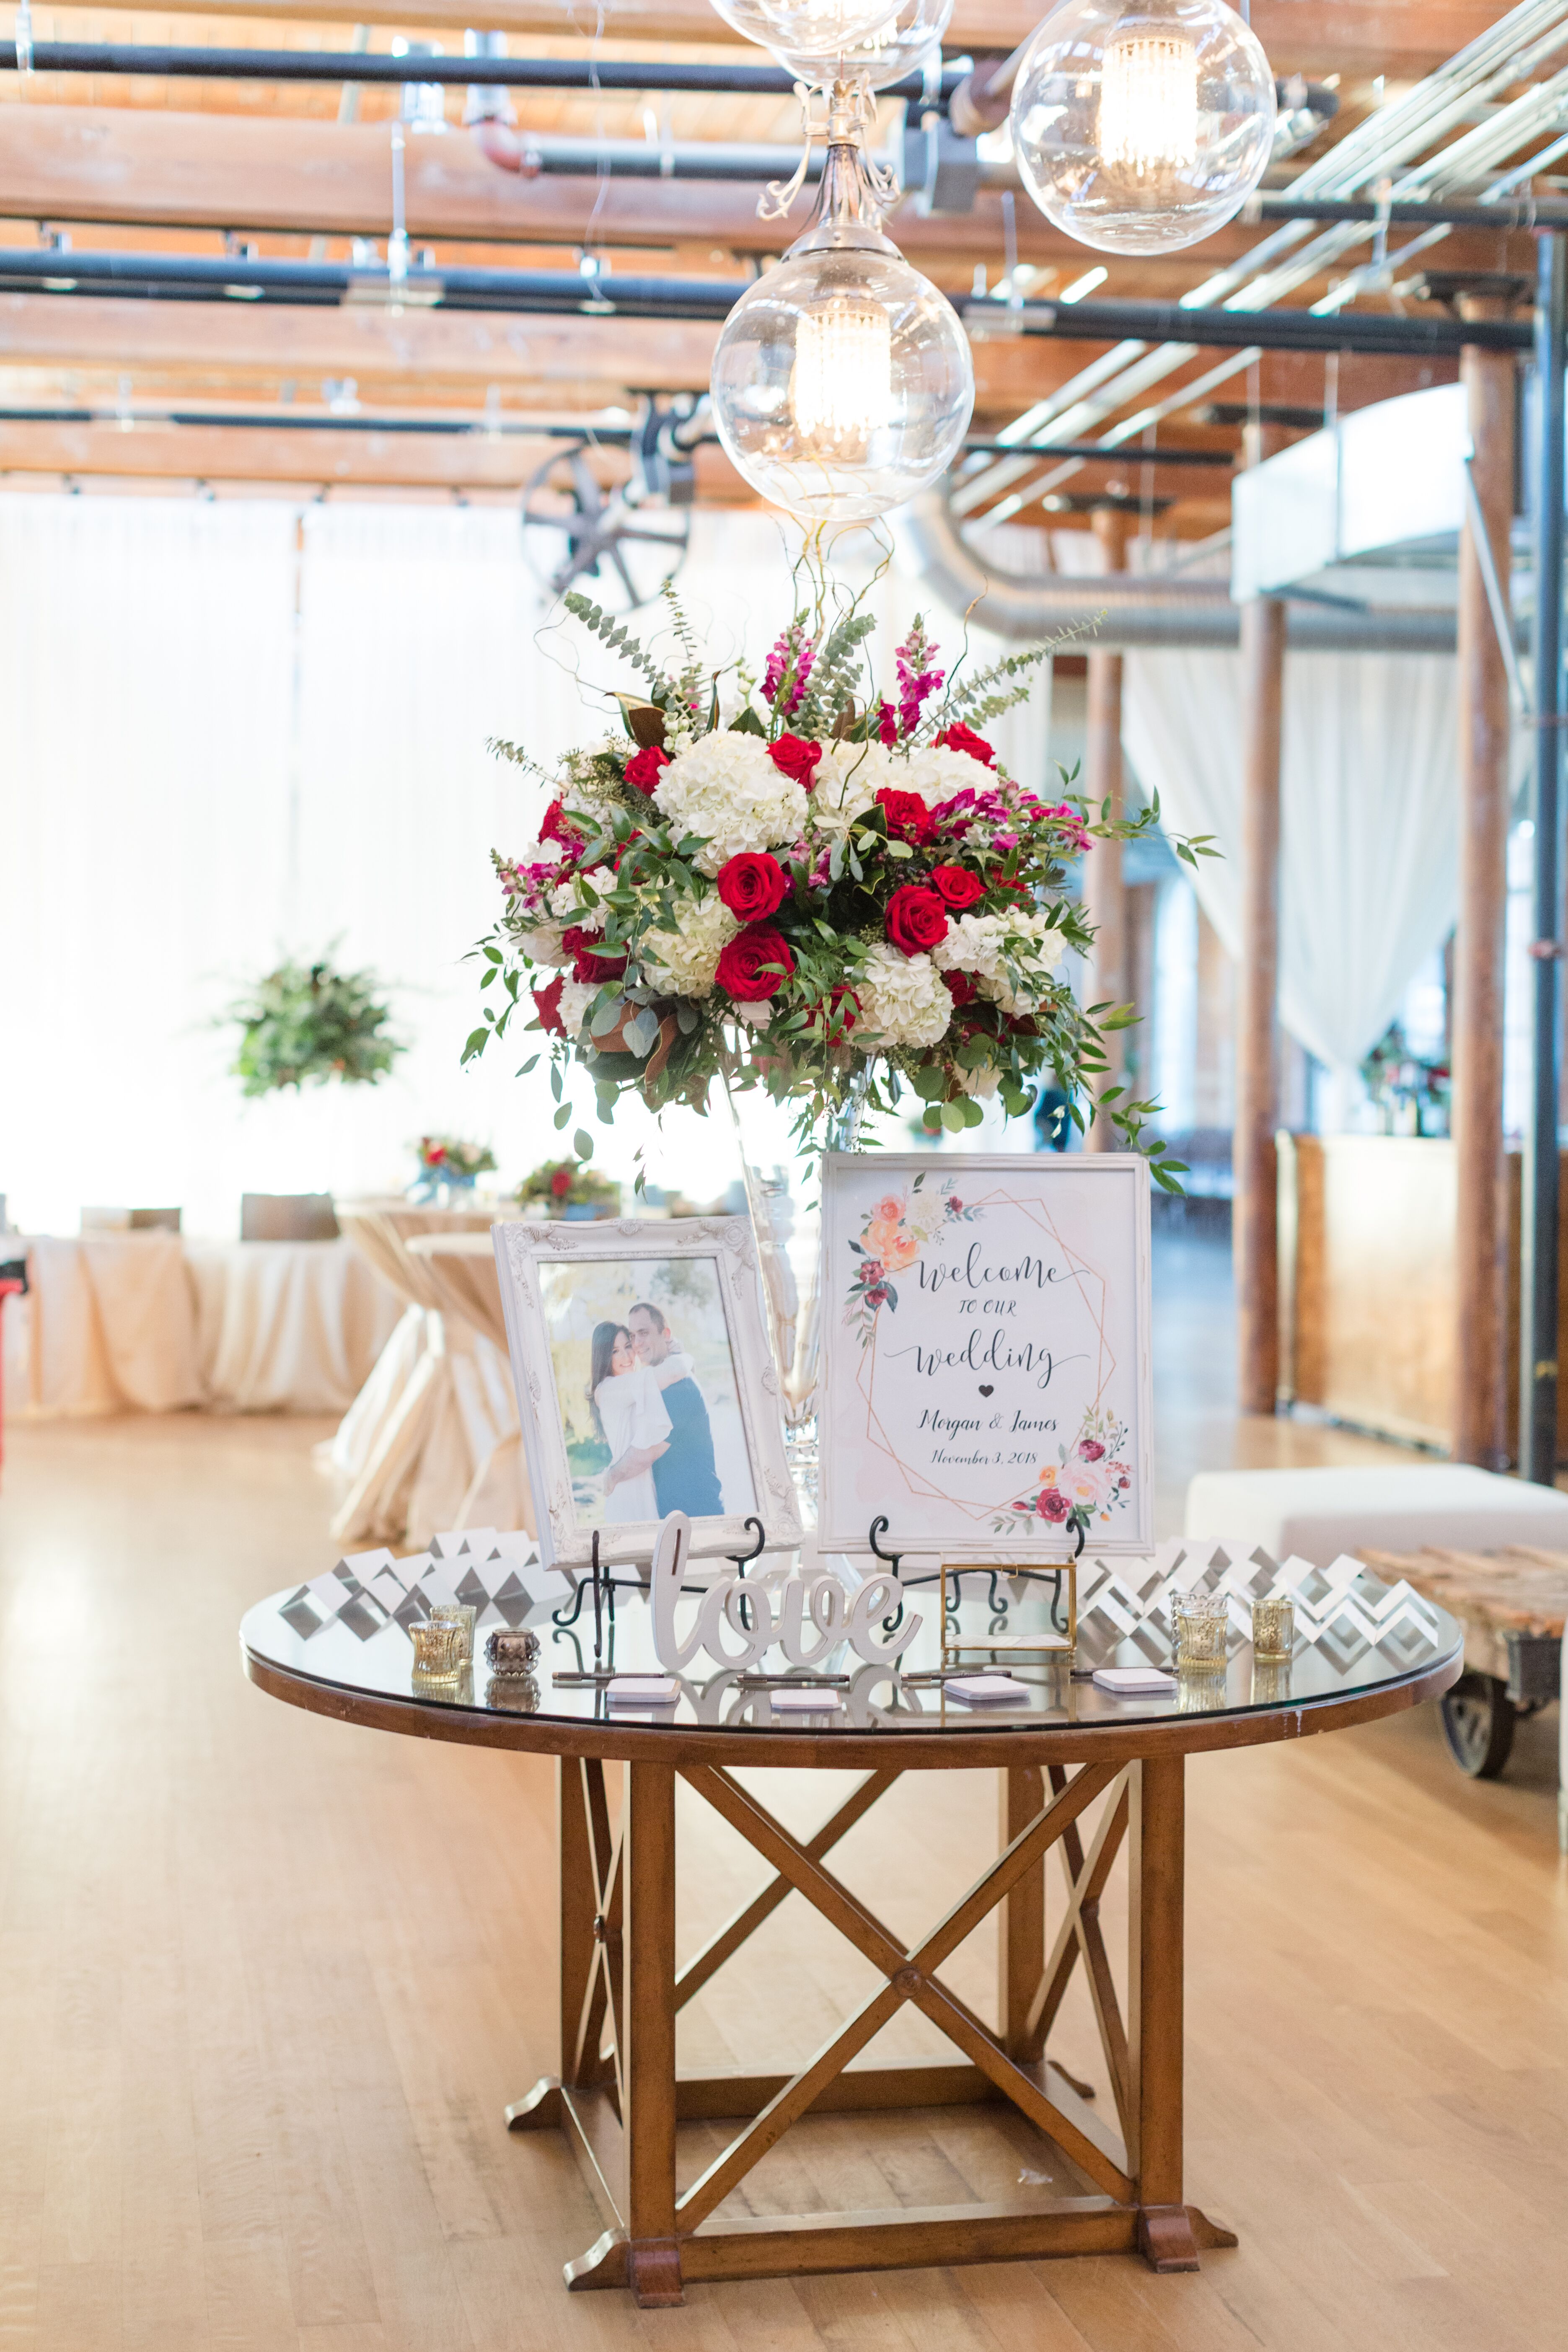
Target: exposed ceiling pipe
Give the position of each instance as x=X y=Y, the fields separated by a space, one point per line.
x=1123 y=613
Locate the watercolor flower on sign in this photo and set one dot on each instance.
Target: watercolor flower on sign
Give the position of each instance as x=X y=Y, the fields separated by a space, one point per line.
x=1089 y=1481
x=895 y=1230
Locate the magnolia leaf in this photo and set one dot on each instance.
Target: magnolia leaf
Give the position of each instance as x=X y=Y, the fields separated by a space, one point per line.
x=582 y=1144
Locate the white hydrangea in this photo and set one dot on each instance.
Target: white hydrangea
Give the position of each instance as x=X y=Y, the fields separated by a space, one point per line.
x=727 y=789
x=847 y=778
x=904 y=999
x=585 y=792
x=684 y=960
x=981 y=1083
x=576 y=995
x=977 y=944
x=564 y=903
x=937 y=773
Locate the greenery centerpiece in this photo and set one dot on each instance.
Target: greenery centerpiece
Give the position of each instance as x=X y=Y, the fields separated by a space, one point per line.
x=309 y=1023
x=447 y=1164
x=560 y=1186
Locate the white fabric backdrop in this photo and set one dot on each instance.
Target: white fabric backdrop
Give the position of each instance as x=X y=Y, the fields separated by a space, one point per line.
x=1369 y=855
x=198 y=781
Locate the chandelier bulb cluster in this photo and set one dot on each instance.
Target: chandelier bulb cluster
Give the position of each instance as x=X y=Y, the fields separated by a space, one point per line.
x=1142 y=128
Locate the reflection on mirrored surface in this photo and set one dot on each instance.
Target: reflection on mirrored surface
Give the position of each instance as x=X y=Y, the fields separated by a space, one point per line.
x=1372 y=1641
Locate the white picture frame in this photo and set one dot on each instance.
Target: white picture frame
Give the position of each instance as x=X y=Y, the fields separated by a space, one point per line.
x=525 y=1252
x=900 y=1437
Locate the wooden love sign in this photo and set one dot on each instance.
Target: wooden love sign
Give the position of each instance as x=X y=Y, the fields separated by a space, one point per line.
x=808 y=1614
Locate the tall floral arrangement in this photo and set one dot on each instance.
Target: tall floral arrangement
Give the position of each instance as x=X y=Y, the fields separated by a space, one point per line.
x=805 y=883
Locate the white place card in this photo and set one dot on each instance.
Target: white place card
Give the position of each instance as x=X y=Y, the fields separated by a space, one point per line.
x=987 y=1690
x=799 y=1698
x=1134 y=1682
x=643 y=1690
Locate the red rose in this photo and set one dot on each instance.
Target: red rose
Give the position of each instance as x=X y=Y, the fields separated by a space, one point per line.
x=587 y=963
x=753 y=886
x=957 y=886
x=1092 y=1450
x=871 y=1272
x=742 y=971
x=547 y=1004
x=561 y=1182
x=960 y=986
x=556 y=828
x=837 y=1011
x=908 y=817
x=793 y=756
x=915 y=919
x=642 y=769
x=435 y=1154
x=959 y=738
x=1054 y=1505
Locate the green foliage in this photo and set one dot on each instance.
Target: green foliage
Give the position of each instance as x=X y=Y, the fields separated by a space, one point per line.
x=568 y=1184
x=308 y=1022
x=618 y=639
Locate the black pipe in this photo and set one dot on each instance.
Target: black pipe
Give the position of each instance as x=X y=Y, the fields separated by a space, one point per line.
x=200 y=277
x=1127 y=453
x=359 y=65
x=1538 y=1221
x=1519 y=212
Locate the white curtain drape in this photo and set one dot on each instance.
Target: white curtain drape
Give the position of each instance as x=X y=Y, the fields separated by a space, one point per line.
x=1369 y=790
x=234 y=731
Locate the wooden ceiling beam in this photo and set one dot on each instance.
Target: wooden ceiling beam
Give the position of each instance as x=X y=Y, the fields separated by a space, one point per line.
x=1401 y=37
x=596 y=358
x=113 y=164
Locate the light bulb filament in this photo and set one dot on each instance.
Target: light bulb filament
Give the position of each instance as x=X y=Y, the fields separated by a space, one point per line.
x=1149 y=100
x=841 y=385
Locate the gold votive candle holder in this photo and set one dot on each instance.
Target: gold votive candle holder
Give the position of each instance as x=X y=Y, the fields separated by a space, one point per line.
x=437 y=1658
x=458 y=1613
x=511 y=1650
x=1200 y=1623
x=1274 y=1630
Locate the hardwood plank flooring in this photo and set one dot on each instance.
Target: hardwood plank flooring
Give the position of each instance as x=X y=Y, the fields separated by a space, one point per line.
x=266 y=1983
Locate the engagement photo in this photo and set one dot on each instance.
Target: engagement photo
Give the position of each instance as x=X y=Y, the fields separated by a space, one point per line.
x=645 y=1376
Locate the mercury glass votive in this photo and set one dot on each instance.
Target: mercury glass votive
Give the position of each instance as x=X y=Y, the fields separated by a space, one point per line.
x=458 y=1614
x=435 y=1653
x=1274 y=1630
x=511 y=1650
x=1199 y=1624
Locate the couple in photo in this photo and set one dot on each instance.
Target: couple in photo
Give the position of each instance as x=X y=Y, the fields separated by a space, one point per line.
x=652 y=1415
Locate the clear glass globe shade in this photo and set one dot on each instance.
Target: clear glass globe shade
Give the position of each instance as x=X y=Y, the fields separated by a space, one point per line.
x=814 y=32
x=842 y=381
x=1142 y=129
x=899 y=45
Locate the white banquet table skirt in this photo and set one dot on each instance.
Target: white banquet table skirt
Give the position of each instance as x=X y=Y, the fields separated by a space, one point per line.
x=431 y=1442
x=288 y=1326
x=152 y=1323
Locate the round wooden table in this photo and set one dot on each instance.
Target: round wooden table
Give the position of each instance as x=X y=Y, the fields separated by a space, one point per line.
x=618 y=2097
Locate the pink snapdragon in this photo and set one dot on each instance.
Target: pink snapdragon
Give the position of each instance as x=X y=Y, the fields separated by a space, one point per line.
x=917 y=676
x=788 y=670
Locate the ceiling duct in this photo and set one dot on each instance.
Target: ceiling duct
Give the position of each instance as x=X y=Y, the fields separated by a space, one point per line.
x=1124 y=615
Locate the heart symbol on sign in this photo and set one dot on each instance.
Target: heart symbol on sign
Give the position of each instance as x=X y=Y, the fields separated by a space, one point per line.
x=984 y=1388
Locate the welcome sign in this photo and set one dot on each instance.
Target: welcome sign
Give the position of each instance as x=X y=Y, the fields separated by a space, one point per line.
x=985 y=1352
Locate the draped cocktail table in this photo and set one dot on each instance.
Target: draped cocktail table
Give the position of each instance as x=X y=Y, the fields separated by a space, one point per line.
x=618 y=2097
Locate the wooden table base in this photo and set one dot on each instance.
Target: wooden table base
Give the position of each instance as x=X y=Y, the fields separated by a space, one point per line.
x=619 y=2099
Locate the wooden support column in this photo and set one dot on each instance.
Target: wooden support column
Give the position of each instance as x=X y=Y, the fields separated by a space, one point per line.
x=1104 y=894
x=1480 y=1369
x=648 y=2025
x=1254 y=1229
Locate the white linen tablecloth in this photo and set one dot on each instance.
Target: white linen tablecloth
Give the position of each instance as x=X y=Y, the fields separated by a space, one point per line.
x=432 y=1441
x=152 y=1323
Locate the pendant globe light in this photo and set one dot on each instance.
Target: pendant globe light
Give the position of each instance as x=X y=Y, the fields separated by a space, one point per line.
x=899 y=45
x=842 y=381
x=1142 y=129
x=816 y=31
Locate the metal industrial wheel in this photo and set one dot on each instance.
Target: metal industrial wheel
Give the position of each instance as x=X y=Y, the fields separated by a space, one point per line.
x=1479 y=1717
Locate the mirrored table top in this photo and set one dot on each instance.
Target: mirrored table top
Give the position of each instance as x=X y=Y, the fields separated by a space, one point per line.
x=1361 y=1648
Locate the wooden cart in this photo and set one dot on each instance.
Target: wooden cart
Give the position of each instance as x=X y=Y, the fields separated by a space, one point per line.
x=1511 y=1605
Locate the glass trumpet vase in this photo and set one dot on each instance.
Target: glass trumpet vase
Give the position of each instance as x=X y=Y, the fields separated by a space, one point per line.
x=784 y=1194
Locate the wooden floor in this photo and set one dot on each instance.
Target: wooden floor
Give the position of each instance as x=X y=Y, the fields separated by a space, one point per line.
x=267 y=1982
